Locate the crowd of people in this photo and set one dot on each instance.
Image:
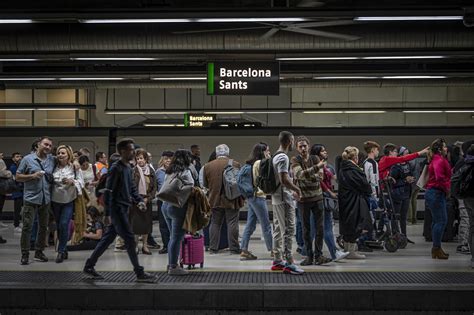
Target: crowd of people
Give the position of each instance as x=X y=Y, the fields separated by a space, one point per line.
x=58 y=193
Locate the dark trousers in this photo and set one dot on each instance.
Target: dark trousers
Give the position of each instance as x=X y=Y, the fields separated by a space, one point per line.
x=2 y=203
x=18 y=203
x=85 y=245
x=120 y=226
x=164 y=230
x=231 y=217
x=400 y=208
x=317 y=209
x=30 y=211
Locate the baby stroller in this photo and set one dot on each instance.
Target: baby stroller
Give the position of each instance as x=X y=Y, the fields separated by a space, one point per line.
x=391 y=238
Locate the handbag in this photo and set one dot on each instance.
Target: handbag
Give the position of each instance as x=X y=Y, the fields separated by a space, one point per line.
x=174 y=191
x=423 y=180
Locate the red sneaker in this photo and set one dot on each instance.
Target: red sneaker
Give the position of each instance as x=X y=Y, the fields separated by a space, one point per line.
x=278 y=266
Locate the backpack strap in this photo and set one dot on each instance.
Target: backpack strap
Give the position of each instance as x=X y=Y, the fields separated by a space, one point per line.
x=230 y=163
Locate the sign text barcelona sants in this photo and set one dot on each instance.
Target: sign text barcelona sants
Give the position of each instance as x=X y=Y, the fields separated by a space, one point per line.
x=243 y=78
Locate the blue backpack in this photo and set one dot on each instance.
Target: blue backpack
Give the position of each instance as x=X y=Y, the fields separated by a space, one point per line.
x=245 y=181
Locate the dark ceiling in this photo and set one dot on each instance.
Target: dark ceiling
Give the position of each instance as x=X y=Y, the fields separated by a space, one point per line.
x=61 y=38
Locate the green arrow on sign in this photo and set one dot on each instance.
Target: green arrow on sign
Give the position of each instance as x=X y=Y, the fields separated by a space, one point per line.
x=210 y=78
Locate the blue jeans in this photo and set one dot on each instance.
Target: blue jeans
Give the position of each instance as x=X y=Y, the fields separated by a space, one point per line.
x=257 y=210
x=436 y=202
x=329 y=234
x=174 y=218
x=120 y=226
x=62 y=214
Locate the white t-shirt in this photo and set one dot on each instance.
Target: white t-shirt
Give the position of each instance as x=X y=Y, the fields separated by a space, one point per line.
x=281 y=164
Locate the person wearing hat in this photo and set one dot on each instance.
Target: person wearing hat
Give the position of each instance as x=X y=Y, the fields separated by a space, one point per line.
x=401 y=191
x=163 y=164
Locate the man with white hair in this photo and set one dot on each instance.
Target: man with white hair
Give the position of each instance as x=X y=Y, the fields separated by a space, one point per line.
x=221 y=206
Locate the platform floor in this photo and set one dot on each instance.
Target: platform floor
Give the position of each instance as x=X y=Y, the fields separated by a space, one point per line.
x=415 y=258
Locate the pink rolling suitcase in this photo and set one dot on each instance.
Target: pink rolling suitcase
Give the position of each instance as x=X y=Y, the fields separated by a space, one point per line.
x=192 y=251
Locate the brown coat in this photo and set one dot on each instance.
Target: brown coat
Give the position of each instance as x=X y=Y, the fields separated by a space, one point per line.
x=198 y=214
x=213 y=181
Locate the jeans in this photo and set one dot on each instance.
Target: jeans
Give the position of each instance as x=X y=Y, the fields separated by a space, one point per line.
x=317 y=209
x=164 y=230
x=120 y=226
x=30 y=210
x=18 y=204
x=299 y=230
x=175 y=218
x=436 y=201
x=62 y=214
x=257 y=210
x=329 y=234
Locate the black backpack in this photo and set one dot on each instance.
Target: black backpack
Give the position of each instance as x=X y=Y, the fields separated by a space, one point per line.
x=462 y=182
x=266 y=180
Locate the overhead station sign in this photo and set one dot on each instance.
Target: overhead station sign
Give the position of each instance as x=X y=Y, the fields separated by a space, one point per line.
x=198 y=120
x=243 y=78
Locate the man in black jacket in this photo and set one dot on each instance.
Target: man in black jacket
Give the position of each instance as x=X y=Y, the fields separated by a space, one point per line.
x=120 y=193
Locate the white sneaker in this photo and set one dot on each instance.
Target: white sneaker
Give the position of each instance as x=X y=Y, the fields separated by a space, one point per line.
x=17 y=229
x=340 y=255
x=177 y=271
x=3 y=225
x=292 y=269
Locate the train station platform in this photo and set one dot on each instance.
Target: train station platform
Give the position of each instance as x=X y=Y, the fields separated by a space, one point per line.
x=405 y=282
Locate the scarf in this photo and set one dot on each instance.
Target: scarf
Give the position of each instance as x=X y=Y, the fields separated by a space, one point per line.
x=143 y=171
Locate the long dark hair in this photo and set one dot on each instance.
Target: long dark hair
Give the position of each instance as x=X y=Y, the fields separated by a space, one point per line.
x=436 y=147
x=316 y=149
x=258 y=153
x=180 y=162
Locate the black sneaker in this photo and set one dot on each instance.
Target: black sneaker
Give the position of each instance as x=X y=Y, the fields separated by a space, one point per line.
x=164 y=250
x=307 y=261
x=146 y=278
x=90 y=271
x=40 y=256
x=322 y=260
x=2 y=240
x=60 y=258
x=410 y=241
x=65 y=255
x=25 y=258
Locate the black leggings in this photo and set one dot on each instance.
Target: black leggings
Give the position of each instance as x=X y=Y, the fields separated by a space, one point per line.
x=400 y=208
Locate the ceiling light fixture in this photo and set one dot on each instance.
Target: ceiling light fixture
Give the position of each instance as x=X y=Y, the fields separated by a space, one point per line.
x=316 y=58
x=422 y=111
x=365 y=112
x=409 y=18
x=57 y=106
x=415 y=77
x=402 y=57
x=260 y=19
x=224 y=113
x=18 y=59
x=16 y=21
x=111 y=21
x=345 y=78
x=178 y=78
x=460 y=111
x=90 y=79
x=112 y=58
x=27 y=79
x=324 y=112
x=142 y=112
x=163 y=125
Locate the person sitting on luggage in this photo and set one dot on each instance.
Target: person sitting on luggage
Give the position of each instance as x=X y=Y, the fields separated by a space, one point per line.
x=174 y=215
x=92 y=234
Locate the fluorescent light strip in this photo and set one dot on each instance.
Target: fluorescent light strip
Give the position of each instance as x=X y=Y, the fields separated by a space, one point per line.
x=110 y=21
x=141 y=112
x=90 y=79
x=13 y=119
x=401 y=57
x=163 y=125
x=48 y=109
x=112 y=58
x=409 y=18
x=274 y=19
x=179 y=78
x=15 y=21
x=324 y=112
x=460 y=111
x=225 y=113
x=344 y=78
x=415 y=77
x=27 y=79
x=15 y=109
x=316 y=58
x=269 y=112
x=59 y=119
x=345 y=112
x=19 y=59
x=422 y=111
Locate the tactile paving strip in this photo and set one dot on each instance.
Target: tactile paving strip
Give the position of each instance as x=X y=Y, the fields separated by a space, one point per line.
x=315 y=278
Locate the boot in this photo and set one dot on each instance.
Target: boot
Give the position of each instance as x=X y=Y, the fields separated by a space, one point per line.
x=437 y=253
x=351 y=248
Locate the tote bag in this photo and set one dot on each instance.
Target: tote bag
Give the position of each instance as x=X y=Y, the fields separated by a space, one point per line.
x=174 y=191
x=423 y=180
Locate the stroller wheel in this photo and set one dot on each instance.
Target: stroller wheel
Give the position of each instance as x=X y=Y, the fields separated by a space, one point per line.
x=340 y=242
x=402 y=241
x=391 y=245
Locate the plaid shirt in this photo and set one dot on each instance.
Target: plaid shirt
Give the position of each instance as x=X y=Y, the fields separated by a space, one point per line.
x=308 y=178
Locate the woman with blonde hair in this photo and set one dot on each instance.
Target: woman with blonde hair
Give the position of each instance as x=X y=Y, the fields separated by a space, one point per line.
x=68 y=184
x=145 y=180
x=353 y=195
